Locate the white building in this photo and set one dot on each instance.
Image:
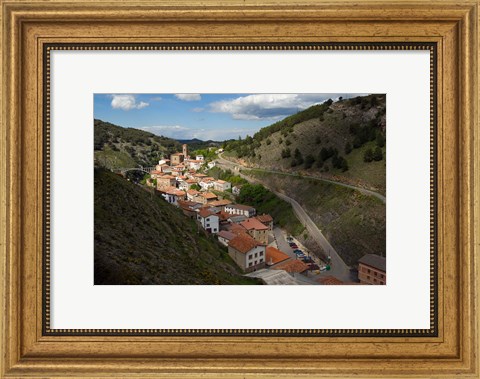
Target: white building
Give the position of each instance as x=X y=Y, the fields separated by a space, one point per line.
x=221 y=185
x=211 y=164
x=239 y=209
x=200 y=158
x=209 y=221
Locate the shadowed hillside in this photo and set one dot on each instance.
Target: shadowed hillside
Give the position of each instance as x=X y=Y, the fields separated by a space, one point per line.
x=140 y=239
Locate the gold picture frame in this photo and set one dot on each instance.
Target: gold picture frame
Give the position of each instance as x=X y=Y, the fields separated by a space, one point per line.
x=31 y=28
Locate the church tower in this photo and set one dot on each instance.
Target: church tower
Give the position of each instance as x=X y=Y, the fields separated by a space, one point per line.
x=185 y=151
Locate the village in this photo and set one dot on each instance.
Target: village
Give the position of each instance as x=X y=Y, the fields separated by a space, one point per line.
x=259 y=248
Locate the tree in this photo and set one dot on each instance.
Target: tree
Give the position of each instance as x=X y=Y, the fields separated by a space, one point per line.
x=309 y=161
x=286 y=153
x=380 y=140
x=377 y=154
x=348 y=148
x=368 y=155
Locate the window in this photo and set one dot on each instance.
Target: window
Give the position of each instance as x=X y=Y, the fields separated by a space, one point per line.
x=255 y=262
x=261 y=253
x=374 y=280
x=250 y=256
x=375 y=273
x=368 y=271
x=261 y=260
x=256 y=255
x=214 y=229
x=250 y=264
x=208 y=225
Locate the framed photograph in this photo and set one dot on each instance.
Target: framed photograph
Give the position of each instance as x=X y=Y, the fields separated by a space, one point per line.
x=239 y=189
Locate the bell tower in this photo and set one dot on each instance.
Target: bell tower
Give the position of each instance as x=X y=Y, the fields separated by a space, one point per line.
x=185 y=151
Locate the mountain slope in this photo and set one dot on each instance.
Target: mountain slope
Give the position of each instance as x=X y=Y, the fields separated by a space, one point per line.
x=329 y=139
x=117 y=147
x=140 y=239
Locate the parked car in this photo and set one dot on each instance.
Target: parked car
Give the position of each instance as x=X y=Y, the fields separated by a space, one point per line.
x=297 y=251
x=313 y=266
x=293 y=246
x=308 y=260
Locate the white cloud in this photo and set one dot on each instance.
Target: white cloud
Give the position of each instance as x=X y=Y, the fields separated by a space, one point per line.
x=270 y=106
x=198 y=109
x=127 y=102
x=188 y=96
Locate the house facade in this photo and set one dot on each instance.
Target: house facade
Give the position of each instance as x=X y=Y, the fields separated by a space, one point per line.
x=247 y=253
x=209 y=221
x=256 y=229
x=239 y=209
x=221 y=185
x=372 y=269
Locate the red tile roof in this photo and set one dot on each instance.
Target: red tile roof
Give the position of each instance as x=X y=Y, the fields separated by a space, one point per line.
x=275 y=256
x=265 y=218
x=237 y=229
x=227 y=235
x=329 y=281
x=243 y=243
x=205 y=212
x=219 y=203
x=253 y=223
x=192 y=192
x=209 y=195
x=292 y=266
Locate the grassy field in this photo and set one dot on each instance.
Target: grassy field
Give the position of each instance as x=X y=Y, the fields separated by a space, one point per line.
x=355 y=224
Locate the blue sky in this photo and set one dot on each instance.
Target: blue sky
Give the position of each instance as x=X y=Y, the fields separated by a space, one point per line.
x=203 y=116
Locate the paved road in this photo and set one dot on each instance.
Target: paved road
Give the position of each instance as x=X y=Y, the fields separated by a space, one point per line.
x=339 y=268
x=359 y=189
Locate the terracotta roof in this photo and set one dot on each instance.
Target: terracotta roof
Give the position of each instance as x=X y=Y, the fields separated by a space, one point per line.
x=292 y=266
x=192 y=192
x=227 y=235
x=219 y=203
x=185 y=204
x=222 y=214
x=221 y=181
x=167 y=177
x=253 y=223
x=209 y=195
x=200 y=175
x=237 y=229
x=191 y=181
x=243 y=243
x=274 y=256
x=177 y=154
x=205 y=212
x=242 y=207
x=329 y=281
x=156 y=172
x=265 y=218
x=375 y=261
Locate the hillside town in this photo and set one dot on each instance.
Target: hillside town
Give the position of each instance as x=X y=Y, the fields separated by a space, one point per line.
x=252 y=240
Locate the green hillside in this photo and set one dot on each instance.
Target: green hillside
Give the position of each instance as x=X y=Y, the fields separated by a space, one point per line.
x=117 y=147
x=355 y=224
x=140 y=239
x=342 y=140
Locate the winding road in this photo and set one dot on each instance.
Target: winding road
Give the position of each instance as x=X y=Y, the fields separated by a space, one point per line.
x=339 y=269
